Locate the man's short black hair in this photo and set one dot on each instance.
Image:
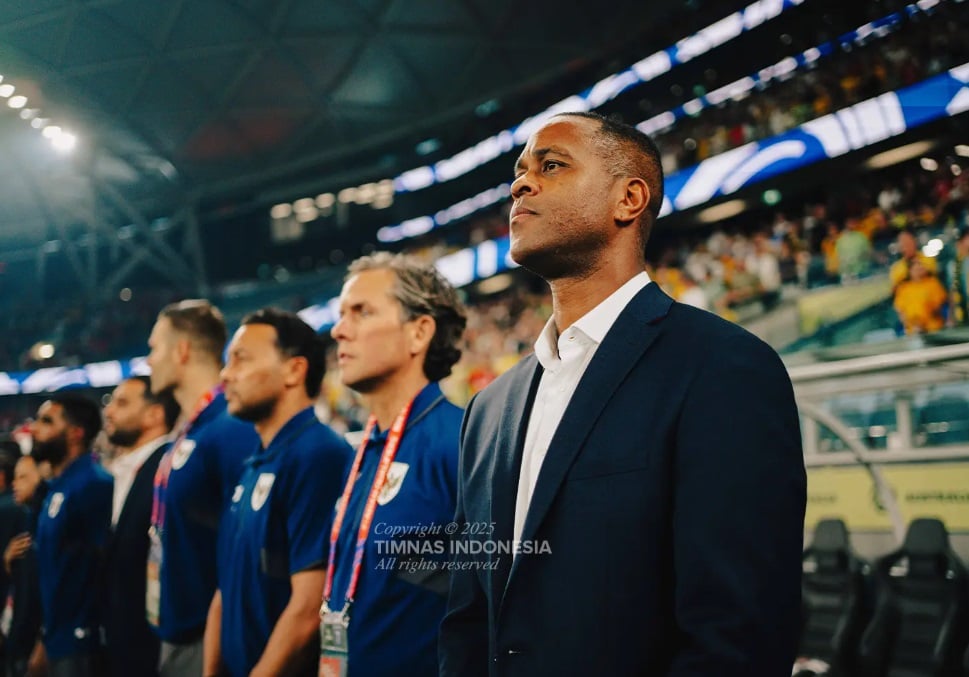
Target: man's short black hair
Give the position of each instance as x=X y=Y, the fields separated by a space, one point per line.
x=166 y=399
x=630 y=153
x=295 y=338
x=80 y=411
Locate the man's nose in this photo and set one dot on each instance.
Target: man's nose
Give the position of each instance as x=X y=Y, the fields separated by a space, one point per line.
x=523 y=184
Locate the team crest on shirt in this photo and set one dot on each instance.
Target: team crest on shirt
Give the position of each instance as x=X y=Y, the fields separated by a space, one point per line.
x=395 y=478
x=181 y=453
x=54 y=507
x=261 y=492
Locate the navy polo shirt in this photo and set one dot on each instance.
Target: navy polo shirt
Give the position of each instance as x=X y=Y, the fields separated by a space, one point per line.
x=205 y=468
x=277 y=525
x=72 y=528
x=394 y=619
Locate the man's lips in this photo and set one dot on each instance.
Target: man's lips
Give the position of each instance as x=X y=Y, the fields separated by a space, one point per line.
x=519 y=210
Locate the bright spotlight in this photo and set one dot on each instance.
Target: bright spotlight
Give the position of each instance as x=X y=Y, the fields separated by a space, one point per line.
x=64 y=142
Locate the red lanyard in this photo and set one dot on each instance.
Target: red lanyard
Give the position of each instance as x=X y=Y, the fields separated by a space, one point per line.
x=165 y=466
x=390 y=451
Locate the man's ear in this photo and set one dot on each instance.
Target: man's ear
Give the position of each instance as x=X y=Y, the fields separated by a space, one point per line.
x=633 y=201
x=154 y=416
x=183 y=349
x=421 y=332
x=294 y=371
x=75 y=434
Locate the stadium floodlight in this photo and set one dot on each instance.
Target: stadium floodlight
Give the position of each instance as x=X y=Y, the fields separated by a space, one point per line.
x=928 y=164
x=64 y=142
x=18 y=101
x=7 y=90
x=962 y=150
x=52 y=131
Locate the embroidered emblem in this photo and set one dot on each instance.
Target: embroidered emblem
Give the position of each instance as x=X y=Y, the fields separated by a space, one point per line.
x=181 y=453
x=54 y=508
x=261 y=492
x=395 y=478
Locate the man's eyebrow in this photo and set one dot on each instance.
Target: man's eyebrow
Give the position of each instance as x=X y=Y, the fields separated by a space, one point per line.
x=541 y=153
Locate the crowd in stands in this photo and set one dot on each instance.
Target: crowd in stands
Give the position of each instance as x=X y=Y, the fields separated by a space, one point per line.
x=920 y=49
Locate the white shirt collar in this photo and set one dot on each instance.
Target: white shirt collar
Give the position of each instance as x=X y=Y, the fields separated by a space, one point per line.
x=595 y=324
x=137 y=457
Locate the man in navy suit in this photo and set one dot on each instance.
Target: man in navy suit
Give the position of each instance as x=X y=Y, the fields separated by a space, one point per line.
x=637 y=485
x=138 y=423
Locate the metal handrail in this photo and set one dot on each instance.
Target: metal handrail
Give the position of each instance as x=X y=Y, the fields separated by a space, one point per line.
x=863 y=365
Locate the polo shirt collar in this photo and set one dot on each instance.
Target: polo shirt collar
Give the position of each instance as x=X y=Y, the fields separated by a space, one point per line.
x=74 y=468
x=290 y=428
x=429 y=396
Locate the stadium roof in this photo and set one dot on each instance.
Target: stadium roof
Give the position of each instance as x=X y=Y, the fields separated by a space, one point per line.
x=210 y=98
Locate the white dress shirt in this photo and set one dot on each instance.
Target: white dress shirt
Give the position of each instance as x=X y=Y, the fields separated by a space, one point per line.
x=564 y=359
x=124 y=468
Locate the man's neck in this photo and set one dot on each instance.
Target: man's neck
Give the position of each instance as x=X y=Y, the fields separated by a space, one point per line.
x=146 y=437
x=286 y=408
x=573 y=297
x=388 y=401
x=199 y=380
x=72 y=455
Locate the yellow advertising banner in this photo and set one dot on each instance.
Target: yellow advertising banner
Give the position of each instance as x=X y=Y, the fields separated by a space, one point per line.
x=921 y=489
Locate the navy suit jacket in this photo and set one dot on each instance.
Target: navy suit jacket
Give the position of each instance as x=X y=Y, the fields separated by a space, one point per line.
x=131 y=646
x=672 y=499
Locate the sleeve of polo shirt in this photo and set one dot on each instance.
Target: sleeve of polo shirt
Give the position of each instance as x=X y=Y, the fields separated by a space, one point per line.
x=314 y=484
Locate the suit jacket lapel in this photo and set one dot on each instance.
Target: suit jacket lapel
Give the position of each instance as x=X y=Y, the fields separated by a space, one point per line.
x=633 y=332
x=144 y=475
x=508 y=460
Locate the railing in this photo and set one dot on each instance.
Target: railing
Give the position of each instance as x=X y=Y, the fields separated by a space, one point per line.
x=862 y=411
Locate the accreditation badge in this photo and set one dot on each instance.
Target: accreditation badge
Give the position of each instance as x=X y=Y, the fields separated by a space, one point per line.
x=153 y=578
x=333 y=643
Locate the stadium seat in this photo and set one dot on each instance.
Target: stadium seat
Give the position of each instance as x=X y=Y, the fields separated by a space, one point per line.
x=835 y=598
x=919 y=625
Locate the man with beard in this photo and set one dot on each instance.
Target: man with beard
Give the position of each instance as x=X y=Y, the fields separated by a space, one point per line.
x=194 y=481
x=137 y=423
x=273 y=542
x=73 y=526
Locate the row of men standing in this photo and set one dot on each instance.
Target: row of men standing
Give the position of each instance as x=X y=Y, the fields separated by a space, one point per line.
x=211 y=548
x=650 y=449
